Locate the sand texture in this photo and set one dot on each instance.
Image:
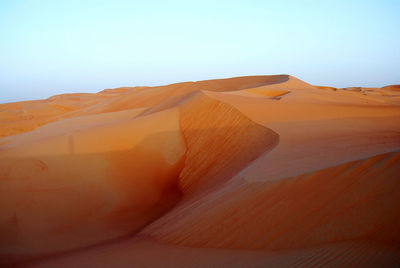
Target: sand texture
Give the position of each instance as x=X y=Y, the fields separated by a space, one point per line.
x=257 y=171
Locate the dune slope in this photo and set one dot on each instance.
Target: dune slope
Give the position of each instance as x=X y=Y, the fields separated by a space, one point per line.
x=65 y=190
x=231 y=139
x=311 y=209
x=25 y=116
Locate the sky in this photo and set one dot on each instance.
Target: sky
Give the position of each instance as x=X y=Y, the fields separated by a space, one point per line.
x=52 y=47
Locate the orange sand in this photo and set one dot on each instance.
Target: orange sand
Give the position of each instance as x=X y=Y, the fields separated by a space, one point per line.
x=248 y=171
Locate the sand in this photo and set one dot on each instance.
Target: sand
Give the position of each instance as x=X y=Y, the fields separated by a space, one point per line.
x=249 y=171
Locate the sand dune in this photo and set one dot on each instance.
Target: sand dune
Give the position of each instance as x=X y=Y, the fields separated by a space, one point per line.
x=275 y=90
x=67 y=190
x=211 y=124
x=25 y=116
x=325 y=87
x=248 y=171
x=392 y=87
x=285 y=214
x=150 y=96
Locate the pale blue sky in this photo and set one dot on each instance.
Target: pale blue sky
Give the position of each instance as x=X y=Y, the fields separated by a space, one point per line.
x=50 y=47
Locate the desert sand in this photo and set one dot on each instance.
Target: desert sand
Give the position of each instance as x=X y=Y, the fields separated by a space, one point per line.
x=241 y=172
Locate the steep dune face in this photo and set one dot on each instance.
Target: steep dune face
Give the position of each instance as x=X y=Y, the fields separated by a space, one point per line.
x=275 y=90
x=353 y=201
x=231 y=139
x=63 y=191
x=240 y=83
x=292 y=83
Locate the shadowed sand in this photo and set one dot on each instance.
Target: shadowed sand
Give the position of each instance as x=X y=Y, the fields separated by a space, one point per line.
x=249 y=171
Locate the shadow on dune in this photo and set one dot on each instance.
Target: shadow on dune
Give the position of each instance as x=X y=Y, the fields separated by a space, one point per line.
x=56 y=203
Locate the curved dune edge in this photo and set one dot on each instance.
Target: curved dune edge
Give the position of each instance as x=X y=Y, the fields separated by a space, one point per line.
x=50 y=171
x=220 y=140
x=20 y=117
x=275 y=90
x=151 y=96
x=63 y=191
x=292 y=83
x=267 y=92
x=308 y=210
x=326 y=87
x=231 y=140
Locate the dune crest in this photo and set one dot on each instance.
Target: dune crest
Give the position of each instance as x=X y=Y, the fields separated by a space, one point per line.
x=392 y=87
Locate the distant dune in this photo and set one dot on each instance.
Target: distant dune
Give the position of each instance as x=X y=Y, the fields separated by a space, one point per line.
x=241 y=172
x=392 y=87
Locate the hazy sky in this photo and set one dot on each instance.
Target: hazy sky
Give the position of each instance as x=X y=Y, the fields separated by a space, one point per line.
x=50 y=47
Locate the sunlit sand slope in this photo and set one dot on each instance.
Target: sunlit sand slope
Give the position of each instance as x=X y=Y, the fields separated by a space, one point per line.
x=25 y=116
x=392 y=87
x=354 y=201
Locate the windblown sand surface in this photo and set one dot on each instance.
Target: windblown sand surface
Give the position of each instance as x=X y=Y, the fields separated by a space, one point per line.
x=242 y=172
